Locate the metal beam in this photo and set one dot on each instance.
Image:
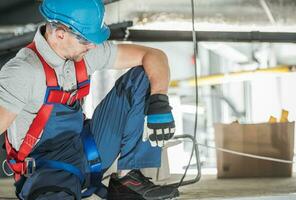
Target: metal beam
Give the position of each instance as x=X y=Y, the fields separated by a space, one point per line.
x=213 y=36
x=165 y=36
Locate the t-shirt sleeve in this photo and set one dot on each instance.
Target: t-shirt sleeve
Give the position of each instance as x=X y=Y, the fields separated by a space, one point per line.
x=102 y=57
x=16 y=83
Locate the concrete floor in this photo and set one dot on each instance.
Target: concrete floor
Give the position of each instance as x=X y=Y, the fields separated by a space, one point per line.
x=244 y=189
x=211 y=188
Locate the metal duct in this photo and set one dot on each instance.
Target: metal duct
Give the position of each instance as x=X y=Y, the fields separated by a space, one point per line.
x=15 y=42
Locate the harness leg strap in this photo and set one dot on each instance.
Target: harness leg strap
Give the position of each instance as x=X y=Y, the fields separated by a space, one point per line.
x=94 y=162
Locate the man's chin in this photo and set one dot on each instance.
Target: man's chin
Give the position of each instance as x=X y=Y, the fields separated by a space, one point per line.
x=77 y=58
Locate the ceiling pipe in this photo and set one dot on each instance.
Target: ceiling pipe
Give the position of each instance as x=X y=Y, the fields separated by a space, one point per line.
x=12 y=4
x=17 y=42
x=120 y=33
x=238 y=76
x=210 y=36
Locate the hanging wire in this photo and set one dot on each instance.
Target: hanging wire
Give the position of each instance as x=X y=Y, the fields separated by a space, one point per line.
x=192 y=138
x=195 y=51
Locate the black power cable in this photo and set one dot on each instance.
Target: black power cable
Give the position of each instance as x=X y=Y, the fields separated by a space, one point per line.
x=193 y=138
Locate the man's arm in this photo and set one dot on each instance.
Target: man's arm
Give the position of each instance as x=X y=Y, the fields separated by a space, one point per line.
x=6 y=118
x=156 y=66
x=154 y=61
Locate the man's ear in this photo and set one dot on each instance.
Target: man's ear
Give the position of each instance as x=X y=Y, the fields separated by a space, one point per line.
x=59 y=33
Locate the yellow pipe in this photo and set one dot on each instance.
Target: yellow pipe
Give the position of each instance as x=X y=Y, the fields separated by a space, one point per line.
x=234 y=76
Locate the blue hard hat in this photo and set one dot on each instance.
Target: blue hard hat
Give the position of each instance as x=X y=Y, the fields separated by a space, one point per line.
x=85 y=17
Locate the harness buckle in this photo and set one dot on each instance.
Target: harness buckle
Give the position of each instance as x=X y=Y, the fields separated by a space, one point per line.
x=6 y=168
x=71 y=97
x=30 y=166
x=95 y=165
x=95 y=161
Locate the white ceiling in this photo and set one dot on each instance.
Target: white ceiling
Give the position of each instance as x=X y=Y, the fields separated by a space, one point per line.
x=273 y=15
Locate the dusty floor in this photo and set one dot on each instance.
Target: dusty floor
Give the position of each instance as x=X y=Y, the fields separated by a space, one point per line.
x=210 y=187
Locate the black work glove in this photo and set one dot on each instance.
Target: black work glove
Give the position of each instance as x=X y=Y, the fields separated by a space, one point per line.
x=160 y=124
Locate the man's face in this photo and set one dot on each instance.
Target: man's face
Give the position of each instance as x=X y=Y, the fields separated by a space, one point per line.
x=75 y=46
x=72 y=45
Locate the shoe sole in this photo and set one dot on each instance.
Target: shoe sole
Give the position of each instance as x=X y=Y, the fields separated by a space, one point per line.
x=125 y=197
x=139 y=197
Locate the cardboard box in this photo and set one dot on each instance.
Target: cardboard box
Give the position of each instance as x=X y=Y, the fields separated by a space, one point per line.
x=274 y=140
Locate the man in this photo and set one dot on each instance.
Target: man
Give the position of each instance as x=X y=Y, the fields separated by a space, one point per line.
x=53 y=151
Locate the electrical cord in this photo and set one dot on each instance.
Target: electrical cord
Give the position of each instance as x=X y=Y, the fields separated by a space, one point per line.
x=193 y=138
x=195 y=52
x=247 y=154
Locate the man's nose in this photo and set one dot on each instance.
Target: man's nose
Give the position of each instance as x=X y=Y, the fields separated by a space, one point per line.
x=90 y=46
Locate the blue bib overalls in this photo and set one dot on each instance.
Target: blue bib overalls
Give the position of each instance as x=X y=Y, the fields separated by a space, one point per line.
x=116 y=126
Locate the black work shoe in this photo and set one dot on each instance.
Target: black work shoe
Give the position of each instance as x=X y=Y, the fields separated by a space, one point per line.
x=135 y=186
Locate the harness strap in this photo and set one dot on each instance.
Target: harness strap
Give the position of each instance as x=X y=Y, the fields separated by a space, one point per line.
x=62 y=97
x=35 y=131
x=90 y=148
x=61 y=165
x=55 y=96
x=54 y=93
x=92 y=155
x=80 y=70
x=9 y=150
x=16 y=159
x=51 y=78
x=94 y=163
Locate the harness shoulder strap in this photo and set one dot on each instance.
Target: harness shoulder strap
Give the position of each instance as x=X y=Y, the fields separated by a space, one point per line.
x=51 y=78
x=38 y=124
x=83 y=82
x=16 y=159
x=81 y=72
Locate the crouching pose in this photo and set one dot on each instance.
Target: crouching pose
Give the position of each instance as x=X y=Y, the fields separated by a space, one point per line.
x=54 y=152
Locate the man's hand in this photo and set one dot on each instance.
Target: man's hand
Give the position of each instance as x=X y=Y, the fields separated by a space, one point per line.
x=160 y=121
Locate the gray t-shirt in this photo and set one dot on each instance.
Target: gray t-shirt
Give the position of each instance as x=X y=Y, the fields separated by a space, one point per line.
x=23 y=84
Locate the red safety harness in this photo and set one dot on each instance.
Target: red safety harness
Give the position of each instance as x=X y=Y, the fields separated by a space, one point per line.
x=19 y=161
